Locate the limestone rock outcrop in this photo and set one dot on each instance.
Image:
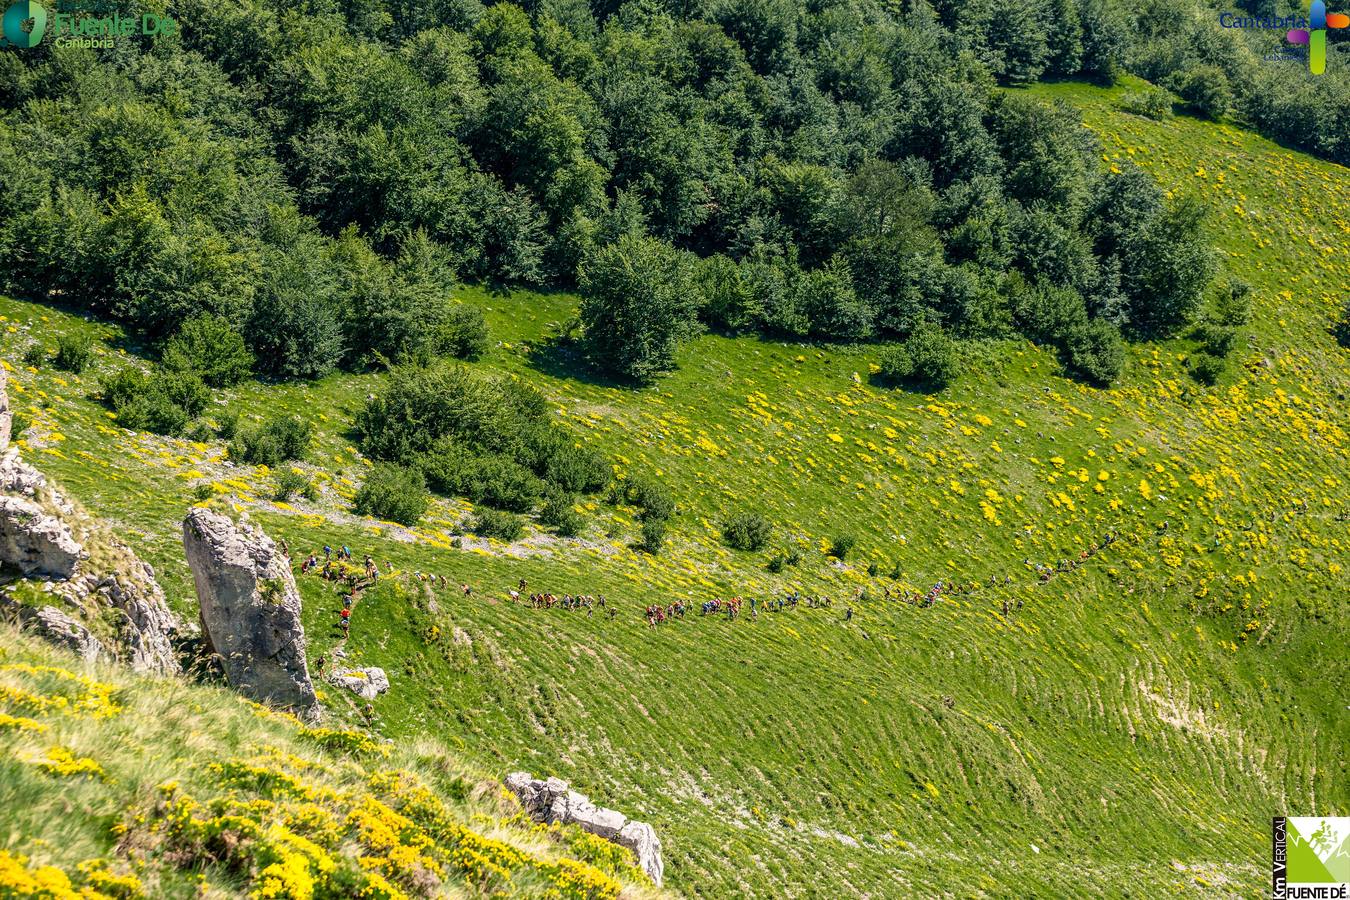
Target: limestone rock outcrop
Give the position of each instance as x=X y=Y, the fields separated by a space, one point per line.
x=55 y=626
x=366 y=682
x=551 y=800
x=35 y=542
x=250 y=609
x=45 y=536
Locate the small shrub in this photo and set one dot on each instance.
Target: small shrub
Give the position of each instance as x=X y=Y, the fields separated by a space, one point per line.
x=498 y=524
x=463 y=334
x=202 y=492
x=19 y=424
x=781 y=561
x=501 y=483
x=1205 y=90
x=290 y=483
x=841 y=545
x=210 y=347
x=1215 y=338
x=1205 y=367
x=747 y=531
x=580 y=470
x=35 y=356
x=393 y=493
x=1152 y=102
x=1094 y=352
x=74 y=353
x=1341 y=328
x=227 y=424
x=273 y=442
x=161 y=402
x=927 y=358
x=653 y=536
x=651 y=497
x=1233 y=305
x=559 y=513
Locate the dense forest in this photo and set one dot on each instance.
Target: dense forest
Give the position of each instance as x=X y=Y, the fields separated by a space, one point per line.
x=294 y=187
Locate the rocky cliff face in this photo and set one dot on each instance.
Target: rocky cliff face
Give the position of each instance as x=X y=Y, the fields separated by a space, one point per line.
x=551 y=800
x=250 y=609
x=44 y=536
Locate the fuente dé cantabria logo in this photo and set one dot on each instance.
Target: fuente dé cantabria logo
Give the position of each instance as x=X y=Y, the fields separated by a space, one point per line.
x=77 y=23
x=1310 y=858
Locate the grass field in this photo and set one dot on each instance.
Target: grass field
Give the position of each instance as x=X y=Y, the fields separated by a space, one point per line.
x=1126 y=730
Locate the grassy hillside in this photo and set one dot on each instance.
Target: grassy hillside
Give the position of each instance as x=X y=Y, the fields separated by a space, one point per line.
x=1127 y=729
x=185 y=791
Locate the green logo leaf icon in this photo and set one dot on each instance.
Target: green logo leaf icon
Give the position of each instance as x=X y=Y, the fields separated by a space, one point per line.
x=20 y=12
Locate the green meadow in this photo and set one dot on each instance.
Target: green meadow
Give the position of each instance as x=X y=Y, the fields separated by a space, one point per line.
x=1127 y=728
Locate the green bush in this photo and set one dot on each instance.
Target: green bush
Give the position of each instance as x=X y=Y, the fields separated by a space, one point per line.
x=502 y=483
x=498 y=524
x=1094 y=352
x=227 y=423
x=559 y=513
x=789 y=557
x=392 y=493
x=638 y=304
x=289 y=483
x=74 y=352
x=747 y=531
x=210 y=347
x=927 y=358
x=841 y=545
x=275 y=441
x=463 y=334
x=651 y=497
x=35 y=355
x=1153 y=102
x=162 y=402
x=1233 y=305
x=1340 y=329
x=1205 y=367
x=1205 y=90
x=653 y=536
x=1215 y=338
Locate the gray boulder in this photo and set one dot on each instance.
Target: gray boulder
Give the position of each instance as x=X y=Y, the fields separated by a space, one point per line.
x=250 y=609
x=36 y=542
x=57 y=627
x=368 y=682
x=641 y=838
x=551 y=800
x=148 y=623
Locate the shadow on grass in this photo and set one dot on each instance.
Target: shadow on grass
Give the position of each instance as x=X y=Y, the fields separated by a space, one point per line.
x=916 y=386
x=561 y=357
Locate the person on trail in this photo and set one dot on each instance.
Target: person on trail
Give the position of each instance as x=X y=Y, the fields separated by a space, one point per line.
x=327 y=553
x=522 y=585
x=320 y=664
x=1005 y=607
x=848 y=614
x=466 y=589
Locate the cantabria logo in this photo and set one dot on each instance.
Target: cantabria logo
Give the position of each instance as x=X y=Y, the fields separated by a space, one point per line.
x=1311 y=858
x=24 y=24
x=1319 y=20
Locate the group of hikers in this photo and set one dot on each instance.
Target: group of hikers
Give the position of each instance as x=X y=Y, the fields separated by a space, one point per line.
x=1045 y=573
x=336 y=564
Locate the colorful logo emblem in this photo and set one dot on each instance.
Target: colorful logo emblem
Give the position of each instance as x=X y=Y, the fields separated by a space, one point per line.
x=1311 y=858
x=1316 y=35
x=20 y=12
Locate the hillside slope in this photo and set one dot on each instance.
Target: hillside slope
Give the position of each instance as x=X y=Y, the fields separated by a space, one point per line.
x=1128 y=727
x=187 y=791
